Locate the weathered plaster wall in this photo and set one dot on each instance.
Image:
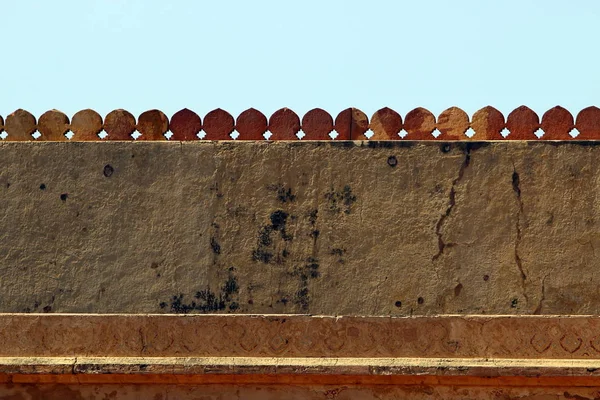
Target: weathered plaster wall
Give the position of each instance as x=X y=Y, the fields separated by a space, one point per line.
x=323 y=228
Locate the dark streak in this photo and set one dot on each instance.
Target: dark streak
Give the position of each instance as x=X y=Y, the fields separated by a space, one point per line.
x=516 y=184
x=451 y=203
x=215 y=246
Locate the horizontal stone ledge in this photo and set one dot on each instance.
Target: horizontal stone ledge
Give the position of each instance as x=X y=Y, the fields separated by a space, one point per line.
x=438 y=371
x=535 y=340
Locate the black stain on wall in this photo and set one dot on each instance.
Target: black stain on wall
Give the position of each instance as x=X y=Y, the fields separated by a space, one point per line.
x=207 y=301
x=284 y=194
x=305 y=273
x=264 y=252
x=215 y=246
x=340 y=200
x=108 y=170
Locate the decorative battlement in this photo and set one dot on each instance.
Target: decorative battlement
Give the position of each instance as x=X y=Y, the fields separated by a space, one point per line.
x=317 y=124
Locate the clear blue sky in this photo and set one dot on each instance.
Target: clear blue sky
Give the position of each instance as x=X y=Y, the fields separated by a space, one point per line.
x=144 y=54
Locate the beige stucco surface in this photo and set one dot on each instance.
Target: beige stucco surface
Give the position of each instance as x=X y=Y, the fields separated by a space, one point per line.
x=321 y=228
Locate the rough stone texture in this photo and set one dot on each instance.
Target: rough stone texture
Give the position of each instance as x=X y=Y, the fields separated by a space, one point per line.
x=86 y=125
x=326 y=228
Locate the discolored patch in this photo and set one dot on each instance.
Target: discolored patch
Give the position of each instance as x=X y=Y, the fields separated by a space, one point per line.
x=386 y=124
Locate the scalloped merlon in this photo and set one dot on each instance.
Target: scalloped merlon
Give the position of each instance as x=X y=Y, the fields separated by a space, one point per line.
x=20 y=125
x=588 y=123
x=351 y=124
x=386 y=124
x=86 y=125
x=284 y=124
x=251 y=124
x=152 y=125
x=53 y=125
x=488 y=123
x=522 y=123
x=452 y=124
x=119 y=125
x=317 y=124
x=185 y=125
x=419 y=124
x=218 y=125
x=557 y=123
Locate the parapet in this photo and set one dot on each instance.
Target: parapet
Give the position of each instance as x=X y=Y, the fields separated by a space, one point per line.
x=317 y=124
x=447 y=257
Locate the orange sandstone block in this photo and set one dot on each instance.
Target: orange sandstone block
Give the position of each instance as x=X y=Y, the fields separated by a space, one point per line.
x=53 y=125
x=317 y=124
x=386 y=124
x=588 y=123
x=119 y=125
x=218 y=125
x=251 y=125
x=557 y=123
x=522 y=124
x=284 y=124
x=419 y=124
x=20 y=125
x=185 y=125
x=351 y=124
x=488 y=124
x=85 y=125
x=452 y=124
x=153 y=125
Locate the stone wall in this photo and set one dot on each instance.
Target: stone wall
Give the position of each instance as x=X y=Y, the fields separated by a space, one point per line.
x=416 y=236
x=321 y=228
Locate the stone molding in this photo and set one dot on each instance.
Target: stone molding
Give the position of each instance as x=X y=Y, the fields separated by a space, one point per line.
x=300 y=349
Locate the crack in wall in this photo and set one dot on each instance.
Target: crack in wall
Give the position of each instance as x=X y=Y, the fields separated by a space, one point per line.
x=442 y=245
x=538 y=309
x=516 y=184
